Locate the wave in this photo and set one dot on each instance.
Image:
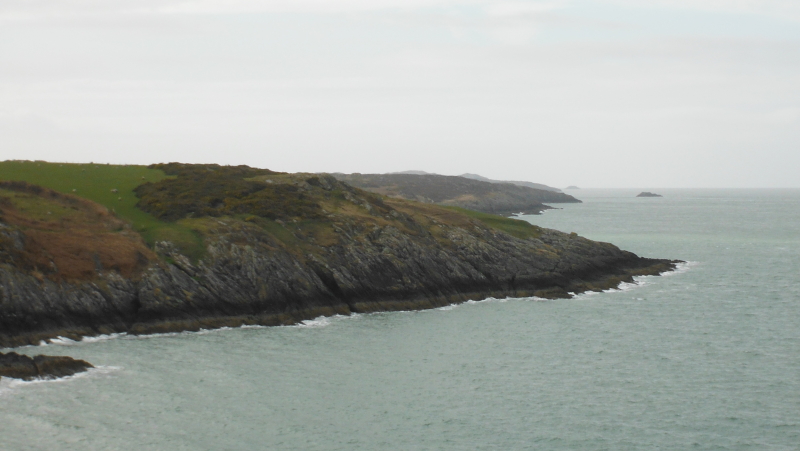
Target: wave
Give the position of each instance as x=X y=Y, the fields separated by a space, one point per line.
x=9 y=385
x=323 y=321
x=680 y=268
x=489 y=300
x=638 y=281
x=64 y=341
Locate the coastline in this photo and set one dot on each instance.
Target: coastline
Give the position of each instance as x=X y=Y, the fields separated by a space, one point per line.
x=296 y=316
x=226 y=246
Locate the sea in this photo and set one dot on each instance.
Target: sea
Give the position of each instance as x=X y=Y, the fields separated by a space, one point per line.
x=703 y=358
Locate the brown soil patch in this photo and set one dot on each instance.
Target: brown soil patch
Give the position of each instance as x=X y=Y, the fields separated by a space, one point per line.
x=67 y=237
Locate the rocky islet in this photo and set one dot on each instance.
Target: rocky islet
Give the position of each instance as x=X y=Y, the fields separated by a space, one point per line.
x=24 y=367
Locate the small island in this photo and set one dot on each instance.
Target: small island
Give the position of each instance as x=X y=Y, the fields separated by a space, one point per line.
x=572 y=187
x=648 y=194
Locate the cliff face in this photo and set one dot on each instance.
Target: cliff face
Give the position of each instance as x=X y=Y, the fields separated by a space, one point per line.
x=357 y=253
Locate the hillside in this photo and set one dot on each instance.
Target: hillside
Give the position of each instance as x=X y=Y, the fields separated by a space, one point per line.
x=513 y=182
x=485 y=179
x=272 y=248
x=110 y=186
x=496 y=198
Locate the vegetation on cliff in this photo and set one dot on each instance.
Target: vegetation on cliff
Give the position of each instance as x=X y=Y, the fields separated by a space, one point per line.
x=214 y=190
x=111 y=186
x=64 y=237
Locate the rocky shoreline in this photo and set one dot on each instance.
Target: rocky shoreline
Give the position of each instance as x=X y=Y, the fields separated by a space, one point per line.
x=242 y=286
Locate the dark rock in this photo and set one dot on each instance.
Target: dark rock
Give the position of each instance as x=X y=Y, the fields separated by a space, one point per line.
x=59 y=366
x=23 y=367
x=648 y=194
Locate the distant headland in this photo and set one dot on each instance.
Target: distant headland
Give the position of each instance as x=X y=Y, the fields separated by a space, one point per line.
x=469 y=191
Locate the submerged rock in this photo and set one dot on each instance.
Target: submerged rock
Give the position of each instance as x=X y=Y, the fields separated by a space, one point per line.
x=42 y=366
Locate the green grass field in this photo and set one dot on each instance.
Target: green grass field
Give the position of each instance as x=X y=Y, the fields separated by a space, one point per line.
x=96 y=182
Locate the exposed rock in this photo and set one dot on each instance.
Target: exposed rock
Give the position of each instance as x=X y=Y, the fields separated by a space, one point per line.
x=648 y=194
x=24 y=367
x=249 y=277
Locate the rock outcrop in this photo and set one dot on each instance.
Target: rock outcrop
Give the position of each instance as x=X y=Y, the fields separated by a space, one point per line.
x=40 y=367
x=648 y=194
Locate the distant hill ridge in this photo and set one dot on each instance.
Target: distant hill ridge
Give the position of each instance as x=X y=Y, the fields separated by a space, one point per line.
x=486 y=179
x=488 y=197
x=513 y=182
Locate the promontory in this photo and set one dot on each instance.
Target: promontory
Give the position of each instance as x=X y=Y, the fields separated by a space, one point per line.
x=88 y=249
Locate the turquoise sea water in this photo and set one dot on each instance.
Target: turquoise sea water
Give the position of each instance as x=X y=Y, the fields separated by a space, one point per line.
x=706 y=358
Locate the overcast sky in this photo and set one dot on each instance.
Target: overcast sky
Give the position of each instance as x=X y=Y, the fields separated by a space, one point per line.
x=595 y=93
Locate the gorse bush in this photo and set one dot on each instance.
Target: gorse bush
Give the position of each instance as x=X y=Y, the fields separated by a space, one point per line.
x=214 y=190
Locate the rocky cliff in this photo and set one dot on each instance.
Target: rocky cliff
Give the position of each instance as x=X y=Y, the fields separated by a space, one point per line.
x=340 y=250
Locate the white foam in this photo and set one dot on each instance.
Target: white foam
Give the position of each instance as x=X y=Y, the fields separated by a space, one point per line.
x=639 y=281
x=625 y=286
x=488 y=300
x=681 y=268
x=64 y=341
x=9 y=385
x=320 y=321
x=97 y=338
x=323 y=321
x=209 y=331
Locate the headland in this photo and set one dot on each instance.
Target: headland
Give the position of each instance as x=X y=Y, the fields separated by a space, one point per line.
x=99 y=249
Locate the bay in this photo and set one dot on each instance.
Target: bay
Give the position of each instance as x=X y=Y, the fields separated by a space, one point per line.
x=707 y=357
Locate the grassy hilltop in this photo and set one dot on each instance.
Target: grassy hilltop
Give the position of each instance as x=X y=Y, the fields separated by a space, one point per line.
x=98 y=182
